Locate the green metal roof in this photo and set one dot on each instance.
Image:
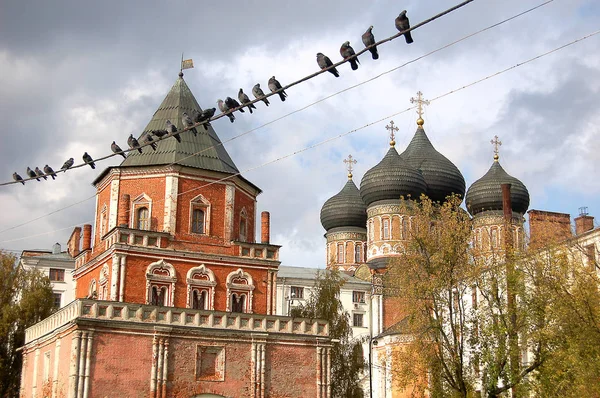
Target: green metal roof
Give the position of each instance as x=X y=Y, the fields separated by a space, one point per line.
x=203 y=152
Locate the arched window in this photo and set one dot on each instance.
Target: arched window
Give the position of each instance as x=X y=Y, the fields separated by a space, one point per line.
x=93 y=290
x=160 y=284
x=340 y=257
x=371 y=230
x=404 y=228
x=243 y=225
x=103 y=294
x=386 y=228
x=494 y=238
x=357 y=257
x=200 y=215
x=201 y=288
x=103 y=222
x=240 y=286
x=143 y=218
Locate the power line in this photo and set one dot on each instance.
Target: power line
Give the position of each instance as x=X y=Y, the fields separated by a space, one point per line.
x=169 y=135
x=369 y=124
x=45 y=233
x=313 y=103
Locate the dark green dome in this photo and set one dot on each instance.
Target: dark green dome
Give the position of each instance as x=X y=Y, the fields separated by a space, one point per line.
x=441 y=175
x=390 y=179
x=346 y=209
x=486 y=193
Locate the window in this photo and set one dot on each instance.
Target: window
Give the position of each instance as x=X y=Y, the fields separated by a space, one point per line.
x=358 y=297
x=210 y=363
x=240 y=286
x=103 y=222
x=340 y=254
x=57 y=275
x=201 y=288
x=199 y=299
x=386 y=229
x=243 y=226
x=198 y=221
x=371 y=230
x=93 y=291
x=57 y=299
x=357 y=257
x=143 y=218
x=404 y=228
x=160 y=284
x=159 y=295
x=297 y=292
x=494 y=238
x=238 y=302
x=357 y=320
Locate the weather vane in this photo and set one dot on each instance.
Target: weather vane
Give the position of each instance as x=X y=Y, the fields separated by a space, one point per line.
x=420 y=101
x=391 y=128
x=349 y=162
x=496 y=143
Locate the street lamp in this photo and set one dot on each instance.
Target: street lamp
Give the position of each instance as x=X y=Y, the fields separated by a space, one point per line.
x=372 y=342
x=290 y=301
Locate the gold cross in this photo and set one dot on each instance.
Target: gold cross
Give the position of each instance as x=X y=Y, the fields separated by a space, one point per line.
x=420 y=101
x=349 y=162
x=391 y=128
x=496 y=143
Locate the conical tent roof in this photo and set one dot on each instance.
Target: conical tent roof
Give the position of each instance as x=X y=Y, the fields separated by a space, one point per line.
x=204 y=151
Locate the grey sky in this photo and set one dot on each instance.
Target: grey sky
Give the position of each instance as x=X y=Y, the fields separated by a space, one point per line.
x=77 y=75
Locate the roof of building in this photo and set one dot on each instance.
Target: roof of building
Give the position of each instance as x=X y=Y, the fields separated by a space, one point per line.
x=345 y=209
x=441 y=175
x=391 y=178
x=46 y=255
x=486 y=193
x=401 y=327
x=204 y=151
x=311 y=273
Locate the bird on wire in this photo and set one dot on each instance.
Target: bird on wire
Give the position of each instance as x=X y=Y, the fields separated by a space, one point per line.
x=258 y=93
x=274 y=85
x=18 y=178
x=204 y=116
x=32 y=174
x=134 y=143
x=324 y=62
x=88 y=159
x=188 y=122
x=117 y=149
x=171 y=128
x=48 y=170
x=403 y=24
x=368 y=40
x=68 y=164
x=40 y=173
x=224 y=109
x=243 y=97
x=346 y=51
x=159 y=133
x=232 y=104
x=148 y=140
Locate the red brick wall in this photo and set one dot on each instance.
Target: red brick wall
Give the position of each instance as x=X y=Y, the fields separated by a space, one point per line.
x=292 y=364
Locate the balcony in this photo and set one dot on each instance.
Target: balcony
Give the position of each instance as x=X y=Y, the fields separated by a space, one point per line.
x=136 y=237
x=258 y=250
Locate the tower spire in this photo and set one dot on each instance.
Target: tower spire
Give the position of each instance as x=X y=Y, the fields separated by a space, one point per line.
x=391 y=128
x=420 y=101
x=496 y=143
x=349 y=162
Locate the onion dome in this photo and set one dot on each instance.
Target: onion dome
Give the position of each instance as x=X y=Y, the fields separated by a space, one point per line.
x=390 y=179
x=346 y=209
x=486 y=193
x=441 y=175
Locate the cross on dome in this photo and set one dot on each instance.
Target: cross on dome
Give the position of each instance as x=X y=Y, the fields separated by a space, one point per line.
x=391 y=128
x=420 y=101
x=496 y=143
x=349 y=162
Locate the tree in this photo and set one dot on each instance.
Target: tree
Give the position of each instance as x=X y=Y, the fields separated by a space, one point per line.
x=492 y=322
x=346 y=355
x=25 y=299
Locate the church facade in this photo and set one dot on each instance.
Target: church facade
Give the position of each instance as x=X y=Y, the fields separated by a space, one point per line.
x=175 y=297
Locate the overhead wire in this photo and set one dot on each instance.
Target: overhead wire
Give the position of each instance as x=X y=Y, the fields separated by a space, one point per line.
x=169 y=135
x=306 y=106
x=373 y=122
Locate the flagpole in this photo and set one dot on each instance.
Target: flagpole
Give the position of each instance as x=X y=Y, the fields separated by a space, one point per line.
x=181 y=64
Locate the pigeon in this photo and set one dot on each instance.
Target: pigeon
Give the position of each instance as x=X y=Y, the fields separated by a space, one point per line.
x=274 y=85
x=324 y=63
x=88 y=159
x=117 y=149
x=148 y=140
x=258 y=93
x=224 y=109
x=171 y=128
x=18 y=178
x=243 y=97
x=368 y=40
x=133 y=143
x=188 y=122
x=32 y=174
x=403 y=24
x=232 y=104
x=40 y=173
x=68 y=164
x=159 y=133
x=204 y=116
x=48 y=170
x=347 y=51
